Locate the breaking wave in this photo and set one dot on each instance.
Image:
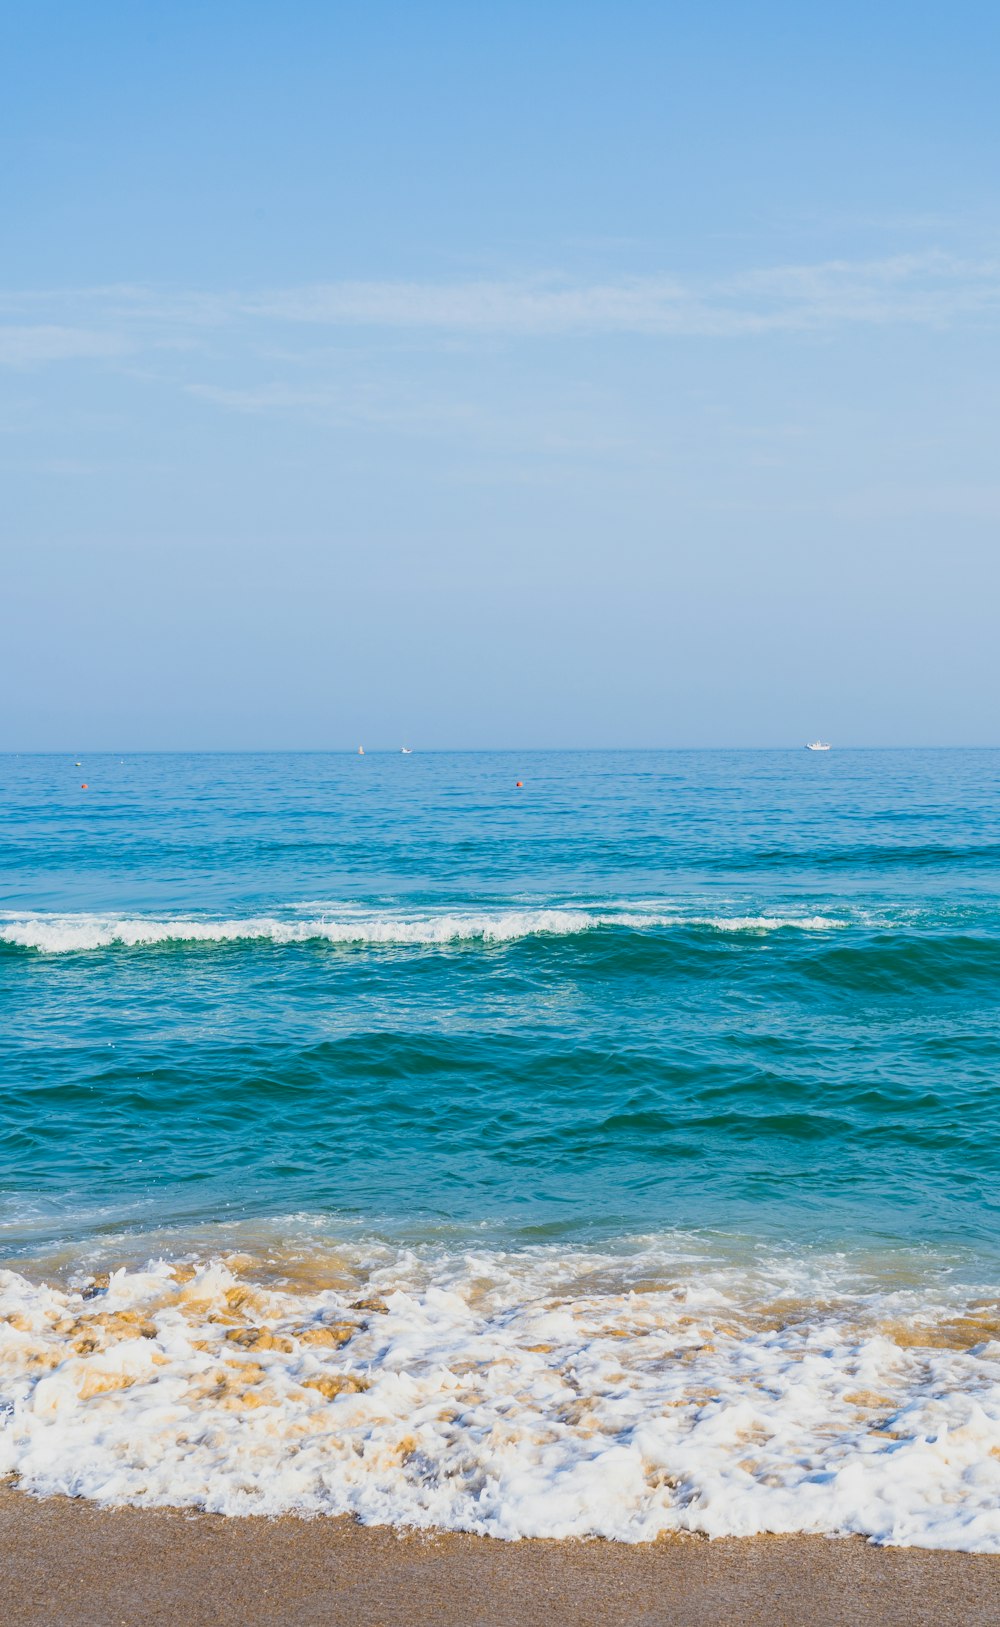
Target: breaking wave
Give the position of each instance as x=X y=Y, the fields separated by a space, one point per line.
x=58 y=934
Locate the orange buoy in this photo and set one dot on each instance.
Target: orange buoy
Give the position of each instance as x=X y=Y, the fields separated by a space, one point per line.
x=520 y=785
x=83 y=788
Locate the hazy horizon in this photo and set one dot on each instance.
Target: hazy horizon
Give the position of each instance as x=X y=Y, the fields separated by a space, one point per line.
x=458 y=751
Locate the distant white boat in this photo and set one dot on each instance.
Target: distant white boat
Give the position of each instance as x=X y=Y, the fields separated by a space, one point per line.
x=407 y=751
x=818 y=745
x=361 y=751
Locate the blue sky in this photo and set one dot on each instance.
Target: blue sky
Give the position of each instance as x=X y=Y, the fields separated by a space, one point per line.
x=536 y=375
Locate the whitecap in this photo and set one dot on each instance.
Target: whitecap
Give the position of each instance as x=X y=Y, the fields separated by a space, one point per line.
x=61 y=933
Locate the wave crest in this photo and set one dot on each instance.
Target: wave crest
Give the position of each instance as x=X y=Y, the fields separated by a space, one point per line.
x=59 y=934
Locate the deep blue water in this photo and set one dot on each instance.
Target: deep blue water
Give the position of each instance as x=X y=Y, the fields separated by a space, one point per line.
x=767 y=1007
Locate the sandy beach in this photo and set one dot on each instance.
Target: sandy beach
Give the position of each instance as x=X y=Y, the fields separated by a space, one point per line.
x=67 y=1563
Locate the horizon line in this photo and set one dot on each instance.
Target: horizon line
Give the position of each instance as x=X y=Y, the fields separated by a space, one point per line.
x=449 y=751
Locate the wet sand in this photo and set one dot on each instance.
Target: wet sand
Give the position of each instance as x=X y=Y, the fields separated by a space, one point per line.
x=65 y=1563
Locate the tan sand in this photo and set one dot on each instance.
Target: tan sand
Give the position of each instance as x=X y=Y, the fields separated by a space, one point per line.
x=68 y=1564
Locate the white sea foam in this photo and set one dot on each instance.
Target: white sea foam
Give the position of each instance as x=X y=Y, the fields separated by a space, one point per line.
x=57 y=934
x=515 y=1395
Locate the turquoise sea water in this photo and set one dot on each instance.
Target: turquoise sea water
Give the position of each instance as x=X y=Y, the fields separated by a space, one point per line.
x=732 y=1008
x=833 y=1081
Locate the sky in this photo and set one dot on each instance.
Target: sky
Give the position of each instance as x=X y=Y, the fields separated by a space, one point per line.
x=578 y=375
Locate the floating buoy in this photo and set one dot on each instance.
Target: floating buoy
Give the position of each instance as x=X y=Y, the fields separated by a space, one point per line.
x=83 y=788
x=520 y=785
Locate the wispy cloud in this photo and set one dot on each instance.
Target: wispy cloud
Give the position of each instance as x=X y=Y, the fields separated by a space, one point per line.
x=924 y=289
x=33 y=345
x=928 y=289
x=360 y=402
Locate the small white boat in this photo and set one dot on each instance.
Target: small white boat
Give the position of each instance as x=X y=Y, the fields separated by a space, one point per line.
x=407 y=751
x=818 y=745
x=361 y=751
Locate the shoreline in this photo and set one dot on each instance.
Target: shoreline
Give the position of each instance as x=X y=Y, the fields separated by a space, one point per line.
x=70 y=1563
x=515 y=1402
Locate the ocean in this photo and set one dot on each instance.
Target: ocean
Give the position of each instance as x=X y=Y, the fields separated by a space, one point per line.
x=613 y=1155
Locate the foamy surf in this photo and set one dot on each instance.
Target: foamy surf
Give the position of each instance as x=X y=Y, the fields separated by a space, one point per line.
x=60 y=934
x=513 y=1395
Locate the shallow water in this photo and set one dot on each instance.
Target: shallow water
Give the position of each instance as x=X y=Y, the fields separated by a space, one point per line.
x=660 y=1042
